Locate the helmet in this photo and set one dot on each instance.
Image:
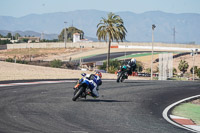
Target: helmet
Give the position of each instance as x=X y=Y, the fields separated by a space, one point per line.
x=133 y=60
x=87 y=76
x=98 y=74
x=124 y=67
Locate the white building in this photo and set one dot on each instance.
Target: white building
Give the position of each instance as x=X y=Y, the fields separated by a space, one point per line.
x=76 y=37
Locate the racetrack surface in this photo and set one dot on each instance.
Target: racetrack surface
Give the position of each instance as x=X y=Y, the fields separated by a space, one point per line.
x=102 y=57
x=129 y=107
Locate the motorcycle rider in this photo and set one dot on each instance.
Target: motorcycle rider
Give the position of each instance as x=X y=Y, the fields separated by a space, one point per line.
x=131 y=66
x=95 y=81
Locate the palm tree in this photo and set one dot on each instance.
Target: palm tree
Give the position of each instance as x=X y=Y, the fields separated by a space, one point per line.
x=111 y=29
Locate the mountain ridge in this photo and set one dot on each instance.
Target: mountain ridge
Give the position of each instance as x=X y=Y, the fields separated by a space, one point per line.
x=138 y=25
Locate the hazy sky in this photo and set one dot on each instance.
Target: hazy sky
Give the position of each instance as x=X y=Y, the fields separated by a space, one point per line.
x=18 y=8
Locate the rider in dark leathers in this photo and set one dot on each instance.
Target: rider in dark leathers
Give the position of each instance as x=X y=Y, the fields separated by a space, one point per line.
x=131 y=66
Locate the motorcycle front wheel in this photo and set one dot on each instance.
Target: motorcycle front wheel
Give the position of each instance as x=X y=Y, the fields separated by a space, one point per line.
x=78 y=93
x=119 y=77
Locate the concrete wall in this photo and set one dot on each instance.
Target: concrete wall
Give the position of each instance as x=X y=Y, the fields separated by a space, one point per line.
x=55 y=45
x=94 y=44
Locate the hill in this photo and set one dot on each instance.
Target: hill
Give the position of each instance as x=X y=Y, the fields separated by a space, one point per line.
x=138 y=25
x=30 y=33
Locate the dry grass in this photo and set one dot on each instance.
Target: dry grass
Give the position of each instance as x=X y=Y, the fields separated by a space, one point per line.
x=11 y=71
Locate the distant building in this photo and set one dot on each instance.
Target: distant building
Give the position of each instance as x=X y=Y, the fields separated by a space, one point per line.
x=78 y=38
x=5 y=39
x=30 y=39
x=14 y=41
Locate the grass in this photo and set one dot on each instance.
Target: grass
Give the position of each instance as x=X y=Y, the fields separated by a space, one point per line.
x=137 y=55
x=188 y=110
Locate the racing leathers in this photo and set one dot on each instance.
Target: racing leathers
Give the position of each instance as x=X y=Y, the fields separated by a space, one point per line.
x=131 y=66
x=94 y=83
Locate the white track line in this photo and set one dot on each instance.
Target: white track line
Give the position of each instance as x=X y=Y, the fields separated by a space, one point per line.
x=33 y=83
x=165 y=112
x=40 y=82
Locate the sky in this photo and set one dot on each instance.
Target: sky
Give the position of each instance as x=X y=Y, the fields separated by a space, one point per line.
x=19 y=8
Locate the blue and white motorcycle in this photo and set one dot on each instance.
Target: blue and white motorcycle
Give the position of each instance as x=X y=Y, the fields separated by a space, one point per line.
x=81 y=88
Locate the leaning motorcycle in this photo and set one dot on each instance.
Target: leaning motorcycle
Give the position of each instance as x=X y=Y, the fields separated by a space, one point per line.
x=122 y=74
x=81 y=89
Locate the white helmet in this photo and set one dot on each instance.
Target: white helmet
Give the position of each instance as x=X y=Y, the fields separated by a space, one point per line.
x=133 y=60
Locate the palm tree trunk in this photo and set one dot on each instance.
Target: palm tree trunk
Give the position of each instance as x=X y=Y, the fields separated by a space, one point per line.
x=108 y=56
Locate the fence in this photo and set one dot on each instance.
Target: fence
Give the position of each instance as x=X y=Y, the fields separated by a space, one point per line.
x=165 y=66
x=161 y=46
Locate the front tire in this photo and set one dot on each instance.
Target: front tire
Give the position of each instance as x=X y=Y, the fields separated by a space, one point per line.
x=78 y=93
x=118 y=77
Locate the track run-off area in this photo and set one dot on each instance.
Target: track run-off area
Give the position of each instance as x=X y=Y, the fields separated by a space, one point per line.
x=135 y=106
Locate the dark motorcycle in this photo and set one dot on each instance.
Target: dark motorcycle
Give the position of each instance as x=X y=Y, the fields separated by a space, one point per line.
x=122 y=74
x=81 y=89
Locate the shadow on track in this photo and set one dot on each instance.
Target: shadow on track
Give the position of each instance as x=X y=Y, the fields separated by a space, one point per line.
x=99 y=100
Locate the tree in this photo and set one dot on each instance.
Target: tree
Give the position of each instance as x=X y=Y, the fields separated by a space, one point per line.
x=174 y=71
x=70 y=32
x=9 y=35
x=195 y=70
x=183 y=66
x=17 y=35
x=111 y=29
x=198 y=72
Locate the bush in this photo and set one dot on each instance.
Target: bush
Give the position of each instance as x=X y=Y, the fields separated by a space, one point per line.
x=148 y=70
x=10 y=60
x=114 y=65
x=174 y=71
x=183 y=66
x=17 y=61
x=139 y=66
x=56 y=63
x=112 y=69
x=198 y=72
x=195 y=70
x=22 y=61
x=71 y=65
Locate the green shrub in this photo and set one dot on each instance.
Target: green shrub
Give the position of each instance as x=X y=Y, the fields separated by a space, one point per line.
x=183 y=66
x=148 y=70
x=112 y=69
x=139 y=66
x=56 y=63
x=10 y=60
x=195 y=70
x=22 y=61
x=174 y=71
x=114 y=65
x=198 y=72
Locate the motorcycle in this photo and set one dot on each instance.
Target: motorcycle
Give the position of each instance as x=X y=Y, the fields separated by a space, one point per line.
x=122 y=74
x=81 y=89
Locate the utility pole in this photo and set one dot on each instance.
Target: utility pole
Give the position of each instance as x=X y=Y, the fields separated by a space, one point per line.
x=42 y=36
x=153 y=27
x=65 y=34
x=174 y=35
x=194 y=53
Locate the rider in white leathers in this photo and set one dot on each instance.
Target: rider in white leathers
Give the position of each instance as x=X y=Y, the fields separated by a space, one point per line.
x=95 y=82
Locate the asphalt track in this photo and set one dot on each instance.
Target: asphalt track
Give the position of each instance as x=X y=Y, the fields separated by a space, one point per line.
x=129 y=107
x=102 y=57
